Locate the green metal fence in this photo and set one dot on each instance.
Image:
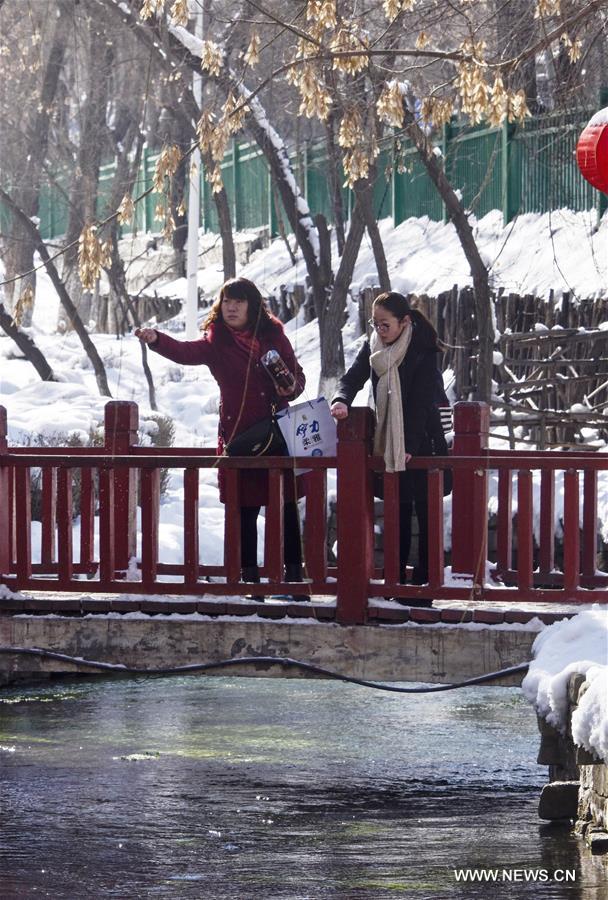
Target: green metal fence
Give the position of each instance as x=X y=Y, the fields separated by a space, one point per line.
x=513 y=169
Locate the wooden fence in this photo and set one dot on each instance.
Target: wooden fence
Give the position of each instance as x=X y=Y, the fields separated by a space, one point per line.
x=516 y=169
x=552 y=378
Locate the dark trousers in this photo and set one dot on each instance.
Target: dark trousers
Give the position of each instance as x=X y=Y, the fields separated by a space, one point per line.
x=421 y=570
x=249 y=535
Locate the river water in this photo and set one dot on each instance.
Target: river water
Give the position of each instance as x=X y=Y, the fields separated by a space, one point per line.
x=238 y=788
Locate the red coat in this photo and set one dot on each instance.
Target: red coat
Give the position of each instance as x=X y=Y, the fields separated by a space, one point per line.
x=228 y=361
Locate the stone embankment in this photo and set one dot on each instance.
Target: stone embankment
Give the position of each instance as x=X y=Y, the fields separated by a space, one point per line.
x=578 y=787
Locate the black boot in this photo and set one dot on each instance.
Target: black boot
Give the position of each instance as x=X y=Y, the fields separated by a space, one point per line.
x=251 y=575
x=293 y=572
x=420 y=575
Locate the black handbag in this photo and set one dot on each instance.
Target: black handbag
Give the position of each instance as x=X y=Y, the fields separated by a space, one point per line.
x=264 y=438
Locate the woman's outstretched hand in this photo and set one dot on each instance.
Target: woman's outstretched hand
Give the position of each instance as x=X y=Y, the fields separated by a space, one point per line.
x=147 y=335
x=339 y=410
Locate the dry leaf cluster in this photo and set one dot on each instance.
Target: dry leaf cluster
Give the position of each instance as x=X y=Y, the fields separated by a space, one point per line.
x=547 y=8
x=392 y=8
x=166 y=166
x=315 y=98
x=179 y=12
x=252 y=54
x=390 y=104
x=93 y=255
x=437 y=111
x=213 y=141
x=345 y=40
x=212 y=58
x=151 y=8
x=574 y=48
x=359 y=152
x=23 y=306
x=126 y=210
x=322 y=12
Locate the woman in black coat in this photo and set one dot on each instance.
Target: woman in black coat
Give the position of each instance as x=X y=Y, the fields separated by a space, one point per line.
x=401 y=358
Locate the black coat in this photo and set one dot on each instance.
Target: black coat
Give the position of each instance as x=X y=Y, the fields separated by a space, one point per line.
x=421 y=395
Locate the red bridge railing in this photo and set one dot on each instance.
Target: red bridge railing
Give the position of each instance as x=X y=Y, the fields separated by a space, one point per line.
x=104 y=487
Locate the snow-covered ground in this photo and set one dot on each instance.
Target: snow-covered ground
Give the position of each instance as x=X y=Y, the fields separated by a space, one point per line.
x=560 y=251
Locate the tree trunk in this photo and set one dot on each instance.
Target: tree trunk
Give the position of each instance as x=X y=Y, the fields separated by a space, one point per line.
x=335 y=184
x=27 y=346
x=85 y=186
x=324 y=251
x=479 y=272
x=20 y=250
x=365 y=197
x=188 y=114
x=332 y=318
x=220 y=198
x=64 y=297
x=128 y=158
x=127 y=167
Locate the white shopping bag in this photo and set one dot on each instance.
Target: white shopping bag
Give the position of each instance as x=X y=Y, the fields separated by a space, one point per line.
x=308 y=428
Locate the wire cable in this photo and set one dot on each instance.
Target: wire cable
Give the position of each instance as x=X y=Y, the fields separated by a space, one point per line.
x=286 y=661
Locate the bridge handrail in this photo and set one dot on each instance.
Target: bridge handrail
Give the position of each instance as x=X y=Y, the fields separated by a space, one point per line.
x=184 y=458
x=160 y=460
x=124 y=467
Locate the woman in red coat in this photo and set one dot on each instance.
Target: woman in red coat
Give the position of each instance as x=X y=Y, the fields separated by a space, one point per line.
x=238 y=331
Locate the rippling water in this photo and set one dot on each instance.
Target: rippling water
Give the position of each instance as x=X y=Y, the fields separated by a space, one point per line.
x=242 y=788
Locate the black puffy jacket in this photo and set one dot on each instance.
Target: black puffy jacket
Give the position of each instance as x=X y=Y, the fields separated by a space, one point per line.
x=422 y=394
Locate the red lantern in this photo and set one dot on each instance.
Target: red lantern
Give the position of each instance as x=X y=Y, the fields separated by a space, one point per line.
x=592 y=151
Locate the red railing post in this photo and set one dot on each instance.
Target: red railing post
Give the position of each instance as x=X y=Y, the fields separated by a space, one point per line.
x=470 y=491
x=121 y=420
x=5 y=518
x=355 y=516
x=589 y=533
x=525 y=537
x=572 y=543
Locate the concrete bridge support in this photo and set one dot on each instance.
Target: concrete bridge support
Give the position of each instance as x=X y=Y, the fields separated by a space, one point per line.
x=404 y=652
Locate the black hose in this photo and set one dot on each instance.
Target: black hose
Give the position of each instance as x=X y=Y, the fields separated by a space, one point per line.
x=119 y=669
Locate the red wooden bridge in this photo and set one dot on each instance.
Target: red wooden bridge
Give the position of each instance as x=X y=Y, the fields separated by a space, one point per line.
x=103 y=487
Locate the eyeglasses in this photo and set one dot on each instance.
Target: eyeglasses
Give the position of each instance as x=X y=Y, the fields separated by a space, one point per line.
x=382 y=326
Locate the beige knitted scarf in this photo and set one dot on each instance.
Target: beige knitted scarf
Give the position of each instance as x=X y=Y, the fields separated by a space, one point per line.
x=389 y=440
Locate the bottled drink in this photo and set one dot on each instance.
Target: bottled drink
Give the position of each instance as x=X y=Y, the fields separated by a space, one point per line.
x=278 y=371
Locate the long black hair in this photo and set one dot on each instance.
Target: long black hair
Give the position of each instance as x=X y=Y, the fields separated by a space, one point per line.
x=259 y=319
x=398 y=305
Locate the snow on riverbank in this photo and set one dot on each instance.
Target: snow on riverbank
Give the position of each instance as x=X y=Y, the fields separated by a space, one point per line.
x=577 y=645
